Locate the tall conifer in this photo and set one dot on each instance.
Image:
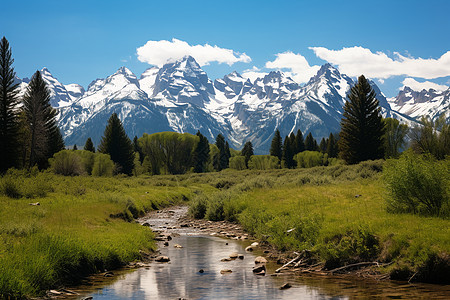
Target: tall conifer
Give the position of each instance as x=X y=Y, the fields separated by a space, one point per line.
x=332 y=147
x=311 y=143
x=89 y=145
x=45 y=137
x=201 y=154
x=362 y=130
x=9 y=120
x=299 y=142
x=117 y=144
x=276 y=146
x=247 y=152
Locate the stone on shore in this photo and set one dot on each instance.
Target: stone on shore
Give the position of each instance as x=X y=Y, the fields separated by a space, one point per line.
x=260 y=260
x=162 y=259
x=285 y=286
x=259 y=268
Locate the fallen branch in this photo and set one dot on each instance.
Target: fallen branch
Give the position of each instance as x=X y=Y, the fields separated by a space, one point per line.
x=354 y=265
x=287 y=264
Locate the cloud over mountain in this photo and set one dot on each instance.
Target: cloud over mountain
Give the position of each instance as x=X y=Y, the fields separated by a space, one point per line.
x=298 y=66
x=355 y=61
x=161 y=52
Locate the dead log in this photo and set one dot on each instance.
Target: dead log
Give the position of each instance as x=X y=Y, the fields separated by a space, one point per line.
x=354 y=265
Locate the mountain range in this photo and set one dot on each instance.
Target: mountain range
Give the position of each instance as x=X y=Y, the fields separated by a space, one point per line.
x=181 y=97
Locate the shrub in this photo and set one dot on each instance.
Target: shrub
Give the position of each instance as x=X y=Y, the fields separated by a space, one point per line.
x=197 y=208
x=237 y=163
x=103 y=165
x=417 y=184
x=263 y=162
x=66 y=162
x=309 y=159
x=88 y=159
x=214 y=211
x=10 y=187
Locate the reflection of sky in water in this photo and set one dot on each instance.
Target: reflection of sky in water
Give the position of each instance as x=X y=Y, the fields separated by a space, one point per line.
x=180 y=277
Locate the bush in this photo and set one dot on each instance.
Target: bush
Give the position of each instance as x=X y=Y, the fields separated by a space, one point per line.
x=88 y=159
x=417 y=184
x=10 y=187
x=198 y=206
x=67 y=163
x=263 y=162
x=309 y=159
x=237 y=163
x=103 y=165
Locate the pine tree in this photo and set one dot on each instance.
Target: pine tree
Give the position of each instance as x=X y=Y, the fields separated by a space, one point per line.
x=299 y=143
x=362 y=130
x=332 y=147
x=276 y=146
x=247 y=152
x=41 y=122
x=89 y=146
x=311 y=143
x=55 y=141
x=75 y=147
x=201 y=154
x=117 y=144
x=323 y=145
x=9 y=119
x=224 y=155
x=288 y=155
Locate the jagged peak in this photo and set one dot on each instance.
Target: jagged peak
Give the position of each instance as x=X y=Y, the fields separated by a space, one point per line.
x=125 y=71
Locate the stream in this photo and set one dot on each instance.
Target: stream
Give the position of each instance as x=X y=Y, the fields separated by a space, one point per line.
x=181 y=277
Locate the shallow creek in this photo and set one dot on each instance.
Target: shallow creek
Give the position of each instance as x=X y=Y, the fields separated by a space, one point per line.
x=180 y=278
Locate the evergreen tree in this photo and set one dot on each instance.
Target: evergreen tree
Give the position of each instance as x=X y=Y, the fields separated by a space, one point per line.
x=332 y=147
x=201 y=154
x=247 y=152
x=362 y=129
x=9 y=119
x=299 y=144
x=228 y=153
x=41 y=122
x=323 y=145
x=276 y=146
x=137 y=148
x=89 y=146
x=75 y=147
x=311 y=143
x=224 y=152
x=117 y=144
x=55 y=141
x=288 y=155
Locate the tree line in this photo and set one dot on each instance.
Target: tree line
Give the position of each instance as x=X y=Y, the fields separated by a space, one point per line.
x=29 y=136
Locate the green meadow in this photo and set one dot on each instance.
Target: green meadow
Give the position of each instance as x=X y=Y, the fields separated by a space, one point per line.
x=85 y=224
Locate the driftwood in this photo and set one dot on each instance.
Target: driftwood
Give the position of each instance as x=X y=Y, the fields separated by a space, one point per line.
x=287 y=264
x=354 y=265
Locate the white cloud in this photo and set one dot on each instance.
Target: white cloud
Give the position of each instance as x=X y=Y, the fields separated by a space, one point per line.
x=253 y=74
x=419 y=86
x=160 y=52
x=300 y=70
x=355 y=61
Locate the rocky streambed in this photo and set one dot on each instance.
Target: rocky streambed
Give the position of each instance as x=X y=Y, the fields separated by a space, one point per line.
x=200 y=259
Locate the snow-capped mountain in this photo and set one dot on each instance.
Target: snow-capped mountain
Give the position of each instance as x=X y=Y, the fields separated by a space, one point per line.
x=180 y=97
x=61 y=95
x=416 y=104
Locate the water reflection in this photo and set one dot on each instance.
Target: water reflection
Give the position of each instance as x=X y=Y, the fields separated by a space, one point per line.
x=180 y=279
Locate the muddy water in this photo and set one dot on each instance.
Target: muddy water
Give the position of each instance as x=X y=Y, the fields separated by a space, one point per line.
x=180 y=278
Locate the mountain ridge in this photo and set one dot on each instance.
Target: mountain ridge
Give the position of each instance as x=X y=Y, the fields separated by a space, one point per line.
x=181 y=97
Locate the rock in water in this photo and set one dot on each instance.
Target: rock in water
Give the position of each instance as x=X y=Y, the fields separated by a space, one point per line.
x=162 y=259
x=260 y=260
x=249 y=249
x=234 y=255
x=285 y=286
x=225 y=271
x=259 y=268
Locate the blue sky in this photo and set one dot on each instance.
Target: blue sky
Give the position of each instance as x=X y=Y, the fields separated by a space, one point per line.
x=80 y=41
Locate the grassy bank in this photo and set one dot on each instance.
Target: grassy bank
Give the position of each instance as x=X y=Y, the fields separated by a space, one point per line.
x=83 y=225
x=339 y=213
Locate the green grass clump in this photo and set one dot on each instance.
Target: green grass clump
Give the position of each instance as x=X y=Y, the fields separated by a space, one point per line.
x=83 y=225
